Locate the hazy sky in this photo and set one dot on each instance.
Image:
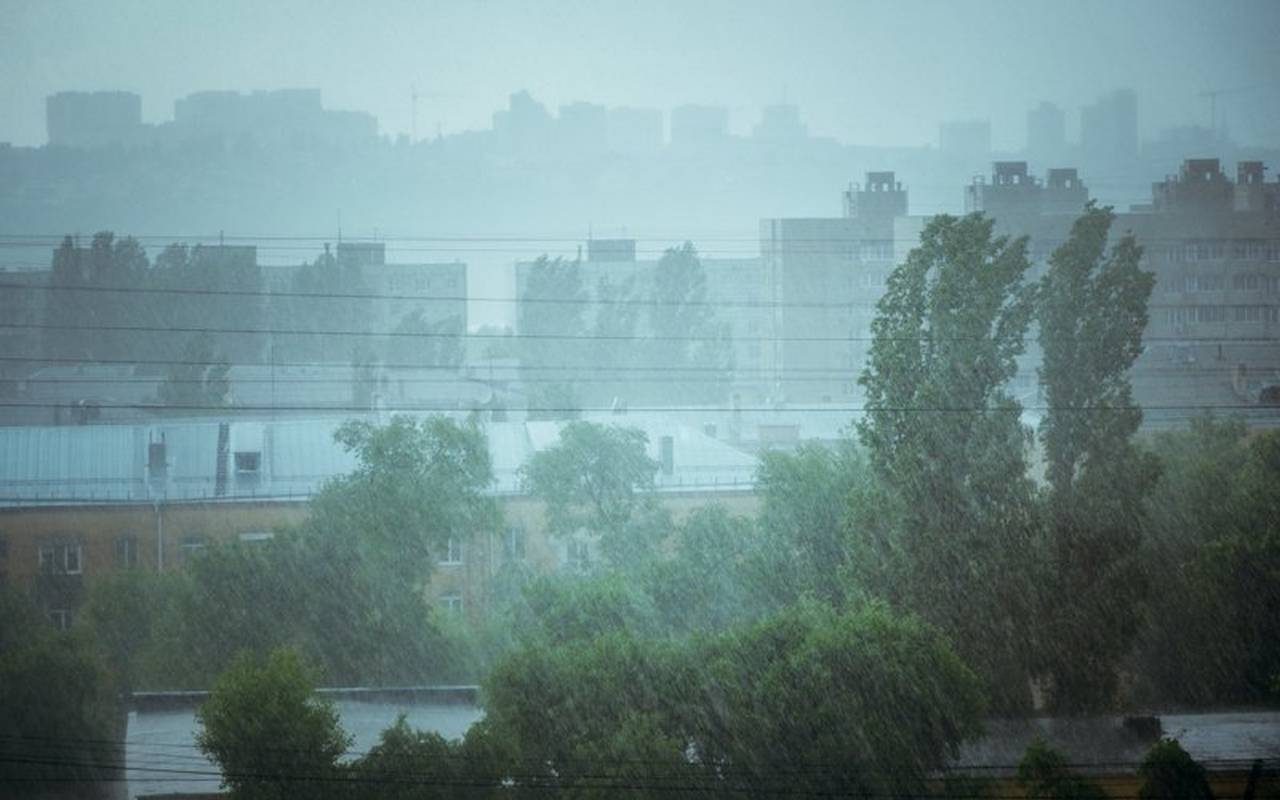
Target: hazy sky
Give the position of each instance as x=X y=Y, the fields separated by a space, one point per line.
x=864 y=72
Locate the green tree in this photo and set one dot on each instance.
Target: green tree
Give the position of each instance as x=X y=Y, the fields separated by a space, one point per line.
x=863 y=702
x=684 y=325
x=1212 y=545
x=715 y=577
x=58 y=713
x=416 y=485
x=268 y=732
x=599 y=480
x=805 y=498
x=551 y=326
x=1170 y=773
x=559 y=611
x=210 y=287
x=91 y=295
x=592 y=718
x=1092 y=312
x=408 y=764
x=121 y=615
x=427 y=342
x=355 y=568
x=324 y=308
x=1045 y=774
x=949 y=531
x=198 y=379
x=618 y=314
x=811 y=700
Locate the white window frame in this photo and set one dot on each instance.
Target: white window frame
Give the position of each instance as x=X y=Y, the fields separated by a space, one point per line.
x=578 y=553
x=126 y=552
x=192 y=545
x=517 y=534
x=452 y=552
x=55 y=558
x=453 y=602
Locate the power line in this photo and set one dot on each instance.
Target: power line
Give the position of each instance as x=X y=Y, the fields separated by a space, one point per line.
x=595 y=337
x=832 y=409
x=524 y=300
x=658 y=377
x=481 y=365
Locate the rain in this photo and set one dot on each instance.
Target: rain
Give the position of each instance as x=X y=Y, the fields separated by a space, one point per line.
x=673 y=399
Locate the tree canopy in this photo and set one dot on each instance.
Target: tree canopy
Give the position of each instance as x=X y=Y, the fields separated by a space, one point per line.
x=1092 y=313
x=950 y=530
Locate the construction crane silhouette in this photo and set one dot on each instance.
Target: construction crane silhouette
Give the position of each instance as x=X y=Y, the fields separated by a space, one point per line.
x=414 y=97
x=1213 y=95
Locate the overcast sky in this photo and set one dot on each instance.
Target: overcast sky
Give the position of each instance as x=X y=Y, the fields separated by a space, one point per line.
x=863 y=72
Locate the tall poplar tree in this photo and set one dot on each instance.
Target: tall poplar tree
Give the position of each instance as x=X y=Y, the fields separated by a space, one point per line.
x=1092 y=312
x=949 y=533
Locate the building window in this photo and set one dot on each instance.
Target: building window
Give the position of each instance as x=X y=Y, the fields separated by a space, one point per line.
x=192 y=545
x=578 y=554
x=1248 y=313
x=451 y=602
x=248 y=461
x=61 y=559
x=1211 y=314
x=126 y=552
x=61 y=618
x=1205 y=283
x=514 y=544
x=452 y=552
x=1246 y=283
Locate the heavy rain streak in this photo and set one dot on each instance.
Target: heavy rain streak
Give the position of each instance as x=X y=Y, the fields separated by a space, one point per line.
x=683 y=398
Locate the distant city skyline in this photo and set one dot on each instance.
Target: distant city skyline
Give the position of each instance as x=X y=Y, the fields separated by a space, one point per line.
x=864 y=73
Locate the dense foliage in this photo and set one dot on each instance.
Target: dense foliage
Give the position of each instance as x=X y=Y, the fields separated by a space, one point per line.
x=58 y=712
x=845 y=639
x=1092 y=312
x=811 y=698
x=950 y=530
x=268 y=732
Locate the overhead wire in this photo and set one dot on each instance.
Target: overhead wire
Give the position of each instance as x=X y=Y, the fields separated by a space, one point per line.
x=596 y=337
x=639 y=302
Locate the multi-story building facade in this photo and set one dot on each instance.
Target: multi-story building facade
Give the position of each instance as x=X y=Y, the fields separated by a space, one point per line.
x=824 y=277
x=1212 y=243
x=1211 y=339
x=79 y=502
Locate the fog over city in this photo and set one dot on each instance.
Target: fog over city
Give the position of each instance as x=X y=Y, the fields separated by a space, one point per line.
x=482 y=399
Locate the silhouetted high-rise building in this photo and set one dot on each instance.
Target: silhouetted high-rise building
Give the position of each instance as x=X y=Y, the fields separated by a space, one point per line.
x=290 y=117
x=780 y=123
x=825 y=276
x=634 y=131
x=1109 y=128
x=93 y=119
x=1046 y=131
x=965 y=137
x=877 y=201
x=583 y=128
x=699 y=126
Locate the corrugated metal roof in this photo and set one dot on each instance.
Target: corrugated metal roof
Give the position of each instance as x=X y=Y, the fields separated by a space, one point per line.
x=109 y=463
